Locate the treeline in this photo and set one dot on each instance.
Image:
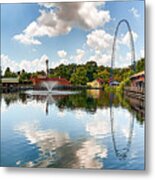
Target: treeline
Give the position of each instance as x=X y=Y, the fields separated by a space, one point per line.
x=86 y=101
x=81 y=74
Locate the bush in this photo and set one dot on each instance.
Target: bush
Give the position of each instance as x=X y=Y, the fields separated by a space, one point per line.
x=124 y=83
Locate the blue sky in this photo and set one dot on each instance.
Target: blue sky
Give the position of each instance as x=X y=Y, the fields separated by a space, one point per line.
x=68 y=33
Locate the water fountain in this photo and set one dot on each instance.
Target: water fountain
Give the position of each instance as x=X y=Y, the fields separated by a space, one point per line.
x=47 y=88
x=49 y=85
x=46 y=85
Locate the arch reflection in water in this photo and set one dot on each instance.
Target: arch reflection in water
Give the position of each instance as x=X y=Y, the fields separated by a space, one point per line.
x=89 y=140
x=123 y=152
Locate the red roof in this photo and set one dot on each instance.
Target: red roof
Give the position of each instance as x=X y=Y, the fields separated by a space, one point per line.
x=100 y=80
x=60 y=81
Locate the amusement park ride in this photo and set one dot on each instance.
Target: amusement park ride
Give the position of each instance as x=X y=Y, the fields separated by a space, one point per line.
x=133 y=62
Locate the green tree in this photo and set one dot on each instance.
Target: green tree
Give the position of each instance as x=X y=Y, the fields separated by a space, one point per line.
x=140 y=65
x=91 y=68
x=24 y=76
x=105 y=75
x=63 y=71
x=79 y=76
x=8 y=73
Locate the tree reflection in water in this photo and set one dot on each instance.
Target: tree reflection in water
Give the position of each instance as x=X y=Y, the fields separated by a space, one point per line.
x=57 y=149
x=88 y=100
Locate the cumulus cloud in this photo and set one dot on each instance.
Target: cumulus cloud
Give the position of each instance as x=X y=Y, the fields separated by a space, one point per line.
x=61 y=61
x=30 y=66
x=135 y=12
x=99 y=39
x=62 y=53
x=123 y=60
x=85 y=15
x=26 y=39
x=38 y=64
x=142 y=53
x=101 y=59
x=101 y=43
x=6 y=61
x=79 y=55
x=61 y=18
x=125 y=40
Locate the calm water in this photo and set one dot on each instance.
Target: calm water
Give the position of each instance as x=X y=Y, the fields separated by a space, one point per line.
x=87 y=130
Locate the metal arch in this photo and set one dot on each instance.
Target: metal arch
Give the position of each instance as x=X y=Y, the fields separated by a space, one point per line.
x=131 y=43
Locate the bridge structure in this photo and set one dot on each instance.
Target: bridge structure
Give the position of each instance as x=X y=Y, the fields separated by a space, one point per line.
x=132 y=47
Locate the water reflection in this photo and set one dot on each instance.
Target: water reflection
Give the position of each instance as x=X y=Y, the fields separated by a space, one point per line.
x=48 y=141
x=128 y=132
x=54 y=147
x=89 y=101
x=90 y=155
x=88 y=137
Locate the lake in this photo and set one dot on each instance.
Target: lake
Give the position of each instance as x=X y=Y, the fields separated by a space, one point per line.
x=90 y=130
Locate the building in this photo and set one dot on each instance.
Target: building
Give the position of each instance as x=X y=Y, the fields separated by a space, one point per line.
x=138 y=80
x=40 y=79
x=10 y=83
x=136 y=90
x=114 y=83
x=96 y=84
x=37 y=81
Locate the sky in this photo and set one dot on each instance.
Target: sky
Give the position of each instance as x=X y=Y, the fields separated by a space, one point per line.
x=69 y=33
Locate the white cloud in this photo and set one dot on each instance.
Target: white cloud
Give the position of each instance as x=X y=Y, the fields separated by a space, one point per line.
x=57 y=63
x=100 y=43
x=126 y=38
x=37 y=64
x=99 y=40
x=101 y=59
x=28 y=65
x=142 y=53
x=135 y=12
x=7 y=62
x=79 y=55
x=62 y=53
x=123 y=60
x=25 y=39
x=62 y=19
x=85 y=15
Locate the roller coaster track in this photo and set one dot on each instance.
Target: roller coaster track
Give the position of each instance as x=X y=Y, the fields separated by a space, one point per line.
x=114 y=45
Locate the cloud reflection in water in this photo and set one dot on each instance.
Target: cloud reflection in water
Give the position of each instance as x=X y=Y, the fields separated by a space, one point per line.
x=57 y=150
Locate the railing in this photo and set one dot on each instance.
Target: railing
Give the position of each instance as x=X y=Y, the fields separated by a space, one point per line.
x=134 y=89
x=134 y=92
